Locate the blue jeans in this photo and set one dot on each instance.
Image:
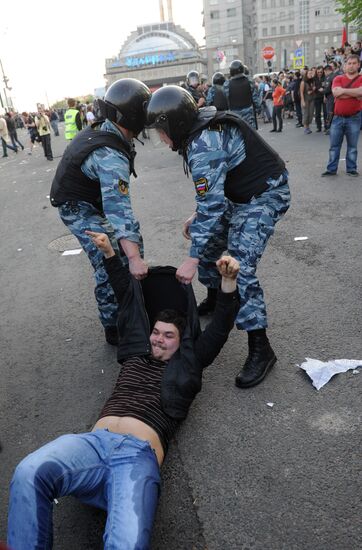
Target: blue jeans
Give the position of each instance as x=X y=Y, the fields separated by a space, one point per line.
x=340 y=127
x=115 y=472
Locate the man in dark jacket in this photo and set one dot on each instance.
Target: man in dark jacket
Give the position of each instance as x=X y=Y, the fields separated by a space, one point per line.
x=116 y=467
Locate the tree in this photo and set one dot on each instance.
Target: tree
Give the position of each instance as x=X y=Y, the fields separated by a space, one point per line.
x=351 y=11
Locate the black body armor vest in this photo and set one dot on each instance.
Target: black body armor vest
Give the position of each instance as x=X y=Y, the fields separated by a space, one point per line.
x=249 y=178
x=240 y=95
x=69 y=183
x=220 y=100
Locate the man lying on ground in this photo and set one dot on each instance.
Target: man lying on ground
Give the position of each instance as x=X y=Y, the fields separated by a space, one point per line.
x=116 y=467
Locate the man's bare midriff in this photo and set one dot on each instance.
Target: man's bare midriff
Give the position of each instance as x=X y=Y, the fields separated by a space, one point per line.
x=129 y=425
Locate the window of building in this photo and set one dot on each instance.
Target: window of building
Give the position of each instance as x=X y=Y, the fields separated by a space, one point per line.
x=282 y=3
x=263 y=4
x=291 y=29
x=264 y=18
x=273 y=30
x=335 y=39
x=232 y=25
x=214 y=2
x=317 y=40
x=326 y=39
x=231 y=12
x=317 y=13
x=326 y=10
x=317 y=26
x=265 y=32
x=214 y=14
x=282 y=29
x=317 y=53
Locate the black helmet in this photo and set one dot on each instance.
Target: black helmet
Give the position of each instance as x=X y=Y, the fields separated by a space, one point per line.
x=124 y=103
x=218 y=78
x=236 y=67
x=173 y=110
x=193 y=78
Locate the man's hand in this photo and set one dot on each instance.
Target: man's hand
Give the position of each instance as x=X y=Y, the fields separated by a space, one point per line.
x=338 y=91
x=138 y=267
x=187 y=270
x=186 y=226
x=228 y=268
x=102 y=242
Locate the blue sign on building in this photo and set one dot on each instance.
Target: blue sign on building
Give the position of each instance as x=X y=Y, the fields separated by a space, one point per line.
x=298 y=52
x=152 y=59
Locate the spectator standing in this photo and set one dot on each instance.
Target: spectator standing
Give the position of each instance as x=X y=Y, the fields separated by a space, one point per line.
x=90 y=116
x=72 y=119
x=347 y=91
x=288 y=98
x=328 y=96
x=30 y=125
x=43 y=125
x=307 y=95
x=5 y=137
x=278 y=103
x=268 y=98
x=296 y=98
x=54 y=119
x=319 y=104
x=10 y=122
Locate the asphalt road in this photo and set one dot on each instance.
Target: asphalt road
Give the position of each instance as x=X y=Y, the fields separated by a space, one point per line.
x=240 y=475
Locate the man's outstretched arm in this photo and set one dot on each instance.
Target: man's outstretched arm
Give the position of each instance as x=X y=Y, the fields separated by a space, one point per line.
x=210 y=342
x=118 y=275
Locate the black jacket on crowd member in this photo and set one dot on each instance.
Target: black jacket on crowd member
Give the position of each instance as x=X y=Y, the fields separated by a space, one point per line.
x=139 y=303
x=69 y=183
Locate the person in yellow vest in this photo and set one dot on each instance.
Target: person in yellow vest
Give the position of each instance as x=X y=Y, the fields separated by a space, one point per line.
x=72 y=119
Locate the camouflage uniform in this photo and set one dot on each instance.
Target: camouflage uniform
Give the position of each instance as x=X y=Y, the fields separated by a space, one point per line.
x=242 y=229
x=246 y=113
x=111 y=167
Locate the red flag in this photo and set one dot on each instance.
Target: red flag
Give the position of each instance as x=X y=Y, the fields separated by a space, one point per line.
x=344 y=36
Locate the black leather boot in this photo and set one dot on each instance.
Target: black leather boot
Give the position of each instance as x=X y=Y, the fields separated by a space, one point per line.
x=111 y=334
x=208 y=305
x=260 y=360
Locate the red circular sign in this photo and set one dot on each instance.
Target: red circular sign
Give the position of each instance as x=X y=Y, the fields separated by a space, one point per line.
x=268 y=52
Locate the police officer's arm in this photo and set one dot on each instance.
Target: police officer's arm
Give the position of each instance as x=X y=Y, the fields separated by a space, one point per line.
x=112 y=170
x=210 y=95
x=255 y=95
x=78 y=121
x=210 y=342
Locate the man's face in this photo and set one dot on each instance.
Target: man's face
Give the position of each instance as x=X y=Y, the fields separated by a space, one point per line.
x=352 y=66
x=164 y=138
x=165 y=340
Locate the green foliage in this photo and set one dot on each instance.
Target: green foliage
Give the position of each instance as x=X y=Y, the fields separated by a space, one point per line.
x=351 y=11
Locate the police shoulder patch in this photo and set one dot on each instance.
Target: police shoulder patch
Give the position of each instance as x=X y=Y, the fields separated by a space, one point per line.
x=123 y=187
x=201 y=186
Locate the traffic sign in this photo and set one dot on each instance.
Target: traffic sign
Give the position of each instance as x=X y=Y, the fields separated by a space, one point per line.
x=268 y=52
x=298 y=52
x=298 y=62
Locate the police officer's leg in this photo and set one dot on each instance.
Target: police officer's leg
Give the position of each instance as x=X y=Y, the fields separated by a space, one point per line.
x=79 y=216
x=251 y=226
x=207 y=271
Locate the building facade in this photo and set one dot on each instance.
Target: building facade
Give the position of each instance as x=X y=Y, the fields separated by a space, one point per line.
x=158 y=54
x=240 y=30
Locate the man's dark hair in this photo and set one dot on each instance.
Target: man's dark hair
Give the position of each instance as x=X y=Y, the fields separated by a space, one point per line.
x=71 y=102
x=352 y=56
x=328 y=68
x=174 y=317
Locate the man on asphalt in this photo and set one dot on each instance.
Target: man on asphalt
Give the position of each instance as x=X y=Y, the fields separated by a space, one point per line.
x=116 y=466
x=4 y=135
x=347 y=92
x=91 y=188
x=43 y=126
x=241 y=192
x=72 y=120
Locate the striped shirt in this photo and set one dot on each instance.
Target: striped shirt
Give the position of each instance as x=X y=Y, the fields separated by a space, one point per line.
x=137 y=393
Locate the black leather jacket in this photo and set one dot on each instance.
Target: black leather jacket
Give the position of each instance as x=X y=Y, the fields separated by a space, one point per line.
x=139 y=303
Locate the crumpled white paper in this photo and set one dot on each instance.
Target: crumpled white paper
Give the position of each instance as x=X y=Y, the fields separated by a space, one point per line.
x=321 y=372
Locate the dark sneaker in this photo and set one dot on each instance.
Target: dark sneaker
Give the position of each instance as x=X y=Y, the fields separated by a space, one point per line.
x=111 y=335
x=326 y=173
x=353 y=173
x=272 y=130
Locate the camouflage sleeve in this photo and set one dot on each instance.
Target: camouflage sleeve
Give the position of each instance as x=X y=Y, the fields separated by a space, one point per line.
x=255 y=95
x=210 y=95
x=208 y=164
x=226 y=87
x=112 y=169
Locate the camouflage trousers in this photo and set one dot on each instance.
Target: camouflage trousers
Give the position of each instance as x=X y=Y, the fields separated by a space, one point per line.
x=79 y=216
x=244 y=231
x=246 y=114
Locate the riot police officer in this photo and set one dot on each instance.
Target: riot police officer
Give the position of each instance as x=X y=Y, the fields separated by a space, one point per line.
x=242 y=94
x=91 y=188
x=193 y=87
x=216 y=95
x=242 y=190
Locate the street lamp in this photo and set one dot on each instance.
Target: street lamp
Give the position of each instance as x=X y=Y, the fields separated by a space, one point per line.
x=7 y=87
